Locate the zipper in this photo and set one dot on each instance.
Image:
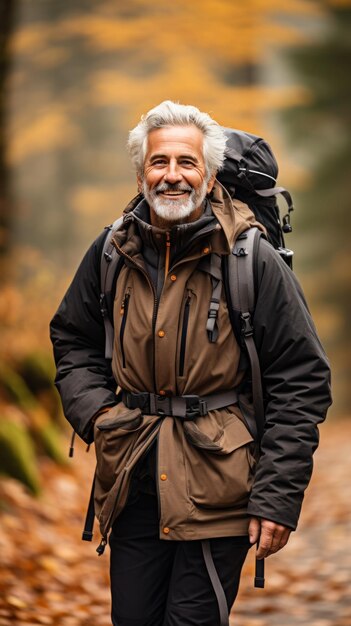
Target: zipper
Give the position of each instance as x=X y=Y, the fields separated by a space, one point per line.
x=124 y=312
x=156 y=477
x=184 y=334
x=154 y=314
x=102 y=545
x=168 y=253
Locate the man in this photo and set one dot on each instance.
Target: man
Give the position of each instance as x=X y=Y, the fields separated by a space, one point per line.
x=184 y=489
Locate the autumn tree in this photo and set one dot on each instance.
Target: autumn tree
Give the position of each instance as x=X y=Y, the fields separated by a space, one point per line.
x=323 y=128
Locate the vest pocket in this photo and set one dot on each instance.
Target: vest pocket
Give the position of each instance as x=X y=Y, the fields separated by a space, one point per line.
x=115 y=435
x=226 y=475
x=120 y=442
x=183 y=338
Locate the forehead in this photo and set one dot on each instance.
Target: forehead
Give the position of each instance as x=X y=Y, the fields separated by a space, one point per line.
x=175 y=140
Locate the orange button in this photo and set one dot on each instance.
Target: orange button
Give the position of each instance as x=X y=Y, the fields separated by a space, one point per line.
x=173 y=278
x=206 y=250
x=166 y=530
x=163 y=476
x=162 y=392
x=161 y=333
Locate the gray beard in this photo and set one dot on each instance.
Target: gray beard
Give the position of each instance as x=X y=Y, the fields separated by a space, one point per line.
x=174 y=210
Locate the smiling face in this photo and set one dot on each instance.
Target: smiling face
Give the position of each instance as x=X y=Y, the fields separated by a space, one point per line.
x=174 y=180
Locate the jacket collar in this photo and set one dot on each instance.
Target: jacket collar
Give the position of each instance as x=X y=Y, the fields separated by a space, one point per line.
x=221 y=222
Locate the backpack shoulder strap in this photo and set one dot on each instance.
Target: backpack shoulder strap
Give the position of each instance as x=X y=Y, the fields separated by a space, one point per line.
x=110 y=266
x=241 y=296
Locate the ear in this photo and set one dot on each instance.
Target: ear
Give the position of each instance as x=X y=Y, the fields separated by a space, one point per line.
x=211 y=182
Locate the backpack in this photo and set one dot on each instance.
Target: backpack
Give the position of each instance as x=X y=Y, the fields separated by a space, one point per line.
x=250 y=173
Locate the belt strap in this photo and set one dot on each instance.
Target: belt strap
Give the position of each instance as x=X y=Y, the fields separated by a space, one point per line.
x=216 y=583
x=186 y=407
x=90 y=516
x=259 y=573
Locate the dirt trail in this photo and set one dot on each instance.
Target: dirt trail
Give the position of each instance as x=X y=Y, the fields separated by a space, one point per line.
x=309 y=582
x=49 y=576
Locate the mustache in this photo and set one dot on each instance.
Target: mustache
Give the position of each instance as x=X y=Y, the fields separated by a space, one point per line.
x=172 y=187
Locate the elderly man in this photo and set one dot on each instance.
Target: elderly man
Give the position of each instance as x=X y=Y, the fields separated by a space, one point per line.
x=185 y=494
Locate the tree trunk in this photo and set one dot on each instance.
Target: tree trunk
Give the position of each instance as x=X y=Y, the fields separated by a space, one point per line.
x=7 y=15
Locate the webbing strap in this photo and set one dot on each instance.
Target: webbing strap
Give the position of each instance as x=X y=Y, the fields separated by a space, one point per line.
x=216 y=583
x=257 y=391
x=90 y=516
x=259 y=573
x=274 y=191
x=242 y=292
x=108 y=265
x=216 y=279
x=243 y=278
x=186 y=407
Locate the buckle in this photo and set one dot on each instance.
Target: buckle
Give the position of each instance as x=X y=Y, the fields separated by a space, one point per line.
x=196 y=407
x=163 y=405
x=87 y=535
x=135 y=400
x=246 y=324
x=102 y=302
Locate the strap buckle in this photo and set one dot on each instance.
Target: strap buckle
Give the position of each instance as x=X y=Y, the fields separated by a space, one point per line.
x=246 y=324
x=136 y=400
x=102 y=302
x=155 y=404
x=163 y=405
x=87 y=535
x=195 y=407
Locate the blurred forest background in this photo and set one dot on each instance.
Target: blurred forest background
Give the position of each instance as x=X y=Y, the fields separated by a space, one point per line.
x=74 y=78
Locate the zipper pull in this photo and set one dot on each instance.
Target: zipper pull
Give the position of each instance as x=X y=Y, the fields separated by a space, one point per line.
x=101 y=547
x=71 y=447
x=124 y=303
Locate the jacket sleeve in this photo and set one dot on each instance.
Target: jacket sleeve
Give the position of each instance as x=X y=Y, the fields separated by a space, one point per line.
x=84 y=377
x=296 y=380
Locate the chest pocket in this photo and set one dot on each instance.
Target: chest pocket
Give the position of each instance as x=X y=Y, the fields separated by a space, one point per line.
x=184 y=331
x=124 y=313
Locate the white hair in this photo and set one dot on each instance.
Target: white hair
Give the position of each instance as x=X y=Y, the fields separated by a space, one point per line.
x=170 y=113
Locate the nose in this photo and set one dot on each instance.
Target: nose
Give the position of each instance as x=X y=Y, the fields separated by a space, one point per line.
x=173 y=173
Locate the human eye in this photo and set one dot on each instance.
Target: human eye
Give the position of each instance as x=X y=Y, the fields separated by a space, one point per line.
x=187 y=162
x=159 y=162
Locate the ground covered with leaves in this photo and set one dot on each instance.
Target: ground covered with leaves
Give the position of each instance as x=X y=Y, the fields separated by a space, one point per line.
x=49 y=576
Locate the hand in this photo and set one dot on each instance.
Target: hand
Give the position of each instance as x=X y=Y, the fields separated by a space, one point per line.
x=270 y=536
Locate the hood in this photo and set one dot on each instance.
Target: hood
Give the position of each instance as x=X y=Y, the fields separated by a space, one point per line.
x=234 y=216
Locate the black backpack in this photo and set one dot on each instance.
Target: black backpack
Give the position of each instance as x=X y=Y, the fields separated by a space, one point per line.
x=250 y=173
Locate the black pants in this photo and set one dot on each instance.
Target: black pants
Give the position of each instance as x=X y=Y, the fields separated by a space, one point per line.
x=166 y=583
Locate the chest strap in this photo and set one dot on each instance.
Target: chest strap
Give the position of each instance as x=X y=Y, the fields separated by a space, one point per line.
x=186 y=407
